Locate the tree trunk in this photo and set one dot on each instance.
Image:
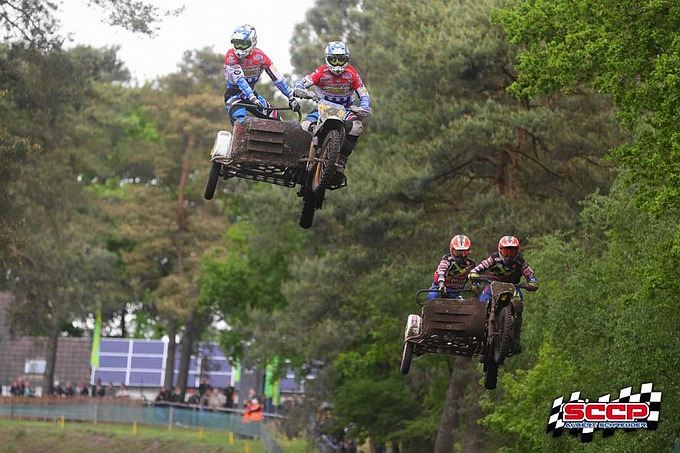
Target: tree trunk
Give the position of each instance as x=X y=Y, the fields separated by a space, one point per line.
x=50 y=359
x=170 y=362
x=181 y=211
x=450 y=414
x=474 y=432
x=187 y=348
x=123 y=323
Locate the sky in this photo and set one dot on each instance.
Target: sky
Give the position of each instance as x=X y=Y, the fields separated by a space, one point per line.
x=204 y=23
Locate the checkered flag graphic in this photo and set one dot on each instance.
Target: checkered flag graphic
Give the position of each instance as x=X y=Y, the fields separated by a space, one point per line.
x=646 y=395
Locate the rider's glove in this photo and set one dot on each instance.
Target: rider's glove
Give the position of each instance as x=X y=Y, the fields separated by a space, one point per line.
x=441 y=286
x=293 y=103
x=365 y=111
x=531 y=286
x=255 y=100
x=475 y=290
x=472 y=275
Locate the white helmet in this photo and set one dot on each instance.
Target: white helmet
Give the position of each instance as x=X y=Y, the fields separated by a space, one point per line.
x=244 y=40
x=508 y=249
x=337 y=56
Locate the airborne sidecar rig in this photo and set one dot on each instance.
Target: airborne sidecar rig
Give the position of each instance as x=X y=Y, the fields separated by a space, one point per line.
x=444 y=326
x=272 y=151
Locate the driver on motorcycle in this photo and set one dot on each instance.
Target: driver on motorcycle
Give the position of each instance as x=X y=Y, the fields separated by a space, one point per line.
x=507 y=265
x=243 y=66
x=338 y=81
x=451 y=274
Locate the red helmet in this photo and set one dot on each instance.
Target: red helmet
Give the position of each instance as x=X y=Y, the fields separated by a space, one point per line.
x=508 y=248
x=460 y=246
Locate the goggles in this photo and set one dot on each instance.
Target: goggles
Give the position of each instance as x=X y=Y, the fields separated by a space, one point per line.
x=241 y=44
x=337 y=60
x=509 y=251
x=460 y=253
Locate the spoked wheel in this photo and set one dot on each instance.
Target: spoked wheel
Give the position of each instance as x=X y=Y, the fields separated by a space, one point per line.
x=324 y=169
x=308 y=208
x=406 y=357
x=212 y=181
x=490 y=373
x=501 y=347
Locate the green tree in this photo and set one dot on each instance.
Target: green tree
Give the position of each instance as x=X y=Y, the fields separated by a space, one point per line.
x=447 y=150
x=627 y=49
x=48 y=254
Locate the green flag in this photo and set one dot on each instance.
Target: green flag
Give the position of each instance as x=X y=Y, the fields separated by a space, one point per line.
x=96 y=338
x=271 y=384
x=236 y=372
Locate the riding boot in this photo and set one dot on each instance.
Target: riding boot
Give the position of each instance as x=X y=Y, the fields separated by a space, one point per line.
x=347 y=147
x=339 y=178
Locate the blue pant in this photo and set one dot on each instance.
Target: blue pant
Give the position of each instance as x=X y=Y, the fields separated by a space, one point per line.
x=450 y=294
x=238 y=114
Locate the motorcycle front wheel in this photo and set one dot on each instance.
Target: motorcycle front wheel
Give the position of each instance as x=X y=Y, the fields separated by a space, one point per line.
x=324 y=169
x=501 y=347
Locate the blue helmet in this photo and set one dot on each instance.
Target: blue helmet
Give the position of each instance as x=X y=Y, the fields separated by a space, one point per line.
x=244 y=40
x=337 y=56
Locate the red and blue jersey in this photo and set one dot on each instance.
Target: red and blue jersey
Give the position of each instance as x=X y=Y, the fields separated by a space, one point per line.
x=454 y=275
x=341 y=89
x=509 y=273
x=243 y=73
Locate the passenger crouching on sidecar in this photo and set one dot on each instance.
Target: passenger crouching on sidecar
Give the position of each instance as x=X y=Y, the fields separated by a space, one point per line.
x=450 y=277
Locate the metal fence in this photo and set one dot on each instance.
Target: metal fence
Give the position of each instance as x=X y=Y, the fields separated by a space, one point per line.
x=94 y=410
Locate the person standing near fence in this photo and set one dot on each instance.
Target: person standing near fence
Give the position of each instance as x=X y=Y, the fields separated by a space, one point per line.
x=253 y=411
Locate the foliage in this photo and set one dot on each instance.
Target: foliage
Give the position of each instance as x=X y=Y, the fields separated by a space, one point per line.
x=103 y=185
x=624 y=48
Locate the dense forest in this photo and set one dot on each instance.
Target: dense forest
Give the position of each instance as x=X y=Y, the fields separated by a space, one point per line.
x=554 y=121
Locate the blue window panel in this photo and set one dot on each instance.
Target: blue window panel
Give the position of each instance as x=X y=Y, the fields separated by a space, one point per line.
x=109 y=361
x=148 y=347
x=117 y=377
x=219 y=381
x=145 y=379
x=211 y=350
x=289 y=385
x=216 y=365
x=148 y=363
x=121 y=346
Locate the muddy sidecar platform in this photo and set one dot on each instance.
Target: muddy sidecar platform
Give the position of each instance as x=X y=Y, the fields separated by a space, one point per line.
x=451 y=326
x=267 y=150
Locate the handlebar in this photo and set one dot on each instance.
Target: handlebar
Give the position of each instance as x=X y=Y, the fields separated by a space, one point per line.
x=436 y=290
x=491 y=278
x=255 y=109
x=312 y=96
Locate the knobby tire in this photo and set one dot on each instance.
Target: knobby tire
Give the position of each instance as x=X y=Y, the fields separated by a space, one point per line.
x=324 y=170
x=505 y=335
x=212 y=181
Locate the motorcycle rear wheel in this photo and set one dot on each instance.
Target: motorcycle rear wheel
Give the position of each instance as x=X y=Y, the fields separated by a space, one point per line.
x=308 y=209
x=324 y=169
x=490 y=373
x=211 y=185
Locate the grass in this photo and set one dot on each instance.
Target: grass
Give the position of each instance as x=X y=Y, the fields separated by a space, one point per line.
x=26 y=436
